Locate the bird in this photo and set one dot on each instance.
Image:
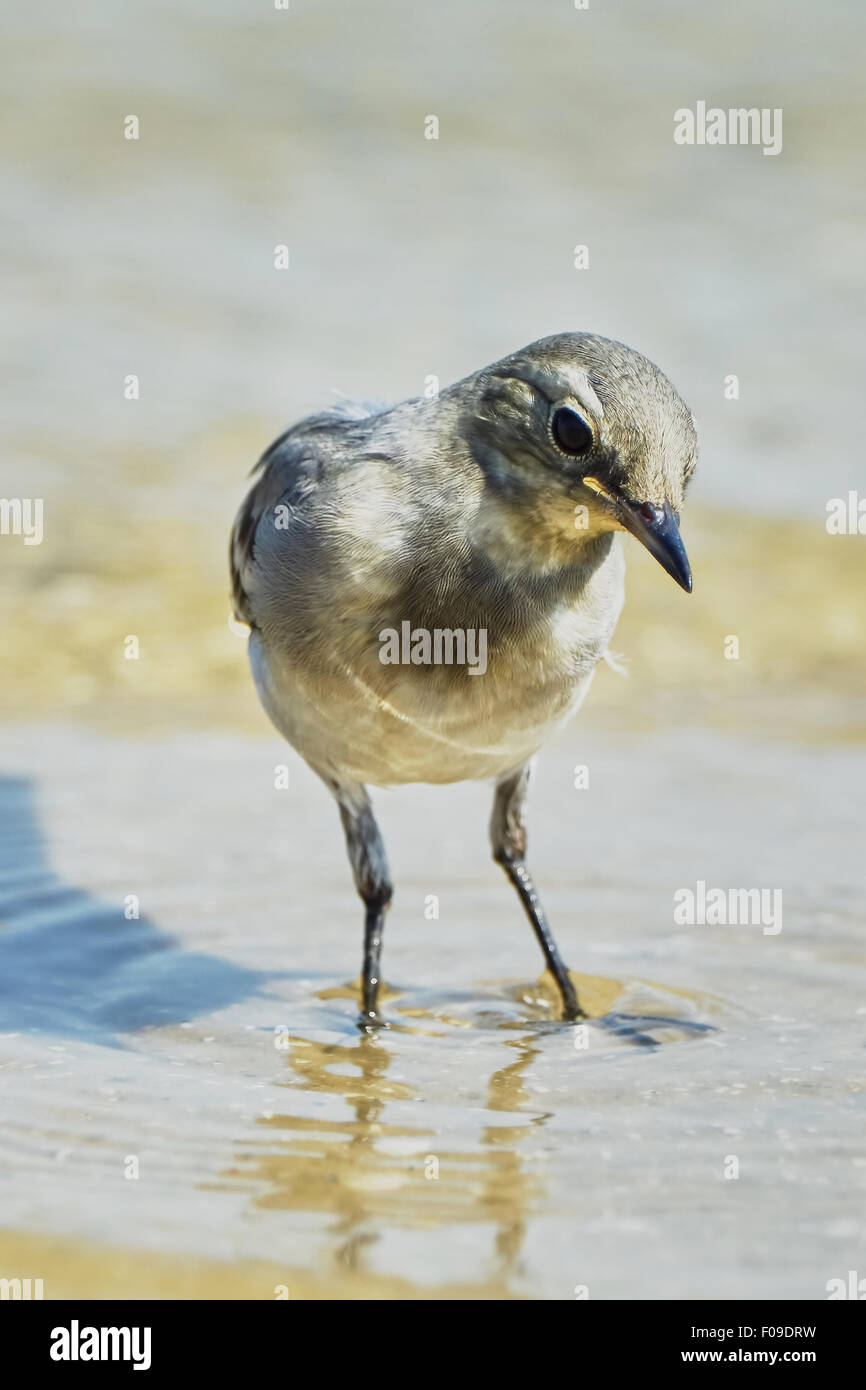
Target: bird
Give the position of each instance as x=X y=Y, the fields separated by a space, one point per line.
x=429 y=586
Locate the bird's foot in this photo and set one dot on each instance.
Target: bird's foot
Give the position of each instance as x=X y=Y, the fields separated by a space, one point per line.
x=370 y=1021
x=574 y=1014
x=571 y=1010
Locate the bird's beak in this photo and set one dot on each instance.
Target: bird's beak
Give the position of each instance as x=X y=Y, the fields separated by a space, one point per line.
x=656 y=528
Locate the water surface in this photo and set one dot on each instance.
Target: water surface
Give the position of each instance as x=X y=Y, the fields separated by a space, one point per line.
x=477 y=1144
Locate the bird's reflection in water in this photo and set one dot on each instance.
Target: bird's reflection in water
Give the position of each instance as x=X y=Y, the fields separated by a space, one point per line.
x=508 y=1176
x=372 y=1171
x=351 y=1149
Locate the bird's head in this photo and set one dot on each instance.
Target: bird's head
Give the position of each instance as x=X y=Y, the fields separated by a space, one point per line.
x=582 y=435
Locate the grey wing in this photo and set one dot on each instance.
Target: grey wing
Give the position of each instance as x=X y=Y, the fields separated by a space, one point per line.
x=289 y=470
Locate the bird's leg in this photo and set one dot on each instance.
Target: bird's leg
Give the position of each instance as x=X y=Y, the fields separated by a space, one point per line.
x=508 y=838
x=373 y=882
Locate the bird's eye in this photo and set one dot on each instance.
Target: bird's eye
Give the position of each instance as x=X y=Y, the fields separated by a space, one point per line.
x=571 y=431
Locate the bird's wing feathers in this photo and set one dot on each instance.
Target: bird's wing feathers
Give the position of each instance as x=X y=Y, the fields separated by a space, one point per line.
x=289 y=469
x=279 y=470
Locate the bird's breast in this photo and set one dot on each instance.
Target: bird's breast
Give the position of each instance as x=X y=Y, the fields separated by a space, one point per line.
x=422 y=682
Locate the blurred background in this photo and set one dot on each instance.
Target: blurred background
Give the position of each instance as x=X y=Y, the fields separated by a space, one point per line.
x=408 y=258
x=411 y=257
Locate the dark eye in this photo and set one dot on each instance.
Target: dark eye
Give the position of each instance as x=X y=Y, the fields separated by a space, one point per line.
x=571 y=431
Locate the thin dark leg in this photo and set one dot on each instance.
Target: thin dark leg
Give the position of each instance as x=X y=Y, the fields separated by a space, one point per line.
x=373 y=882
x=508 y=838
x=519 y=875
x=374 y=923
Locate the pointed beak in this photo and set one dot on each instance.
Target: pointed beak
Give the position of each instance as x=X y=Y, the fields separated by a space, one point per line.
x=656 y=528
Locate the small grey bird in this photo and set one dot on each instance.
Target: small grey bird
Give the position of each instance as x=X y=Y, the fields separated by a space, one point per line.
x=429 y=586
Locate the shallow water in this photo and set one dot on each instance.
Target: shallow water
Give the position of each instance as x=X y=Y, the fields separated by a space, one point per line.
x=477 y=1143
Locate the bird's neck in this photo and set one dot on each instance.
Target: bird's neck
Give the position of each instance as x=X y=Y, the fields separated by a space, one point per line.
x=538 y=540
